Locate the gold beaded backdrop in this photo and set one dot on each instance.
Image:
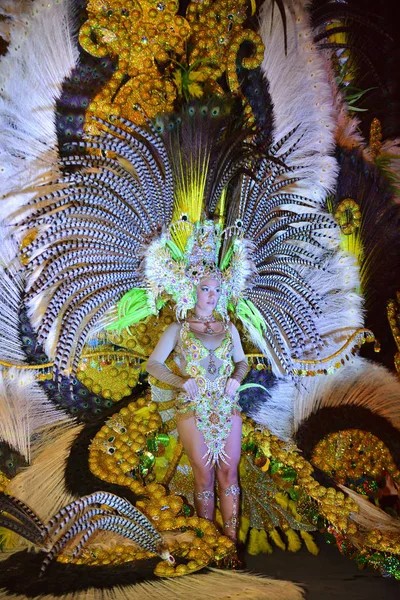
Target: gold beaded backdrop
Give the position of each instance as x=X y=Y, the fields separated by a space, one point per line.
x=161 y=56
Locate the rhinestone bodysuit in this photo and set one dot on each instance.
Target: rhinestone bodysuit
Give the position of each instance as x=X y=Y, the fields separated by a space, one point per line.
x=212 y=408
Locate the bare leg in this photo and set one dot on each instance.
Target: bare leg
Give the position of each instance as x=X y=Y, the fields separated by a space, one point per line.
x=227 y=475
x=195 y=448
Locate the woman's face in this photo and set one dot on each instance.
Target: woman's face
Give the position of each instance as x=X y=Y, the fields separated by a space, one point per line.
x=208 y=293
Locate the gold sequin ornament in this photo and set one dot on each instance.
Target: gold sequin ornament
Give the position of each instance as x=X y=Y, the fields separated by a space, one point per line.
x=105 y=548
x=332 y=504
x=4 y=481
x=348 y=215
x=352 y=454
x=218 y=34
x=375 y=137
x=385 y=541
x=115 y=454
x=206 y=545
x=165 y=510
x=141 y=339
x=143 y=37
x=393 y=315
x=109 y=374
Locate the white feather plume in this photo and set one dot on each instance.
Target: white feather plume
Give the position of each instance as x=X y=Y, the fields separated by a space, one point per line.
x=25 y=410
x=360 y=383
x=301 y=91
x=342 y=306
x=277 y=412
x=370 y=516
x=40 y=56
x=301 y=96
x=12 y=13
x=11 y=289
x=42 y=485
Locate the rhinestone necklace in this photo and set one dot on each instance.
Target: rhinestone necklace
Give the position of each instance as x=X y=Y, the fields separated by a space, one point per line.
x=206 y=320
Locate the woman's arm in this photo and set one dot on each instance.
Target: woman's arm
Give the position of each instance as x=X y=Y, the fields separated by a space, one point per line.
x=239 y=357
x=156 y=363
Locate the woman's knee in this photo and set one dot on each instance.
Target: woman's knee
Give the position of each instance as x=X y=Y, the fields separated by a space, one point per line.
x=203 y=476
x=227 y=474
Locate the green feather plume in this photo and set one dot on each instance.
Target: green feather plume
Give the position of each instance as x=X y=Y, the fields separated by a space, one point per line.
x=250 y=315
x=135 y=306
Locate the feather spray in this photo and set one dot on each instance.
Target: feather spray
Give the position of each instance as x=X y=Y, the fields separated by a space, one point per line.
x=81 y=518
x=40 y=55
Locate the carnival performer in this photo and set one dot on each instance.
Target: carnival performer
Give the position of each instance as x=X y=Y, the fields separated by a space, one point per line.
x=210 y=357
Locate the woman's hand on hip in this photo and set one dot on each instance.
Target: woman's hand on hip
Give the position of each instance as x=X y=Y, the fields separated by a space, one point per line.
x=191 y=388
x=231 y=387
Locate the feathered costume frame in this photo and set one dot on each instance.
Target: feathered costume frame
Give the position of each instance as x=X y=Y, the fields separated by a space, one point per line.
x=76 y=231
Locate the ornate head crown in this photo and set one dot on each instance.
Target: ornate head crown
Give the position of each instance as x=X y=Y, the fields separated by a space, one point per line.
x=202 y=251
x=177 y=272
x=171 y=271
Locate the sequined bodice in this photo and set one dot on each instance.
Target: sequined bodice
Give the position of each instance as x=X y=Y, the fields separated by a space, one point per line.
x=201 y=362
x=211 y=368
x=209 y=359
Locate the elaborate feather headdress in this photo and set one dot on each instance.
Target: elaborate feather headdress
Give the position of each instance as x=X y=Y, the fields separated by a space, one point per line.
x=122 y=219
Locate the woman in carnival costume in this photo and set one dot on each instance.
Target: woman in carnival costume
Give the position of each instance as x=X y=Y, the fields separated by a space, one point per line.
x=210 y=356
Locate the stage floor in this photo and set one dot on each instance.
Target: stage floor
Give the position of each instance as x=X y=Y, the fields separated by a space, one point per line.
x=328 y=576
